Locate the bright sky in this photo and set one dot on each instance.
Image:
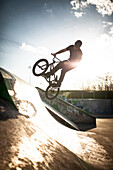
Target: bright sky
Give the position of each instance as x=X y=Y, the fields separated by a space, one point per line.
x=33 y=29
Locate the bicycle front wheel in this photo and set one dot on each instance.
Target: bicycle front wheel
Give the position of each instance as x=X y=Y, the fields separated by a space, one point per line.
x=52 y=92
x=40 y=67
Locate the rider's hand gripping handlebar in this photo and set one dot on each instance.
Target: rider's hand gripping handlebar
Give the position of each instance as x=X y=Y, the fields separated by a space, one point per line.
x=54 y=54
x=55 y=57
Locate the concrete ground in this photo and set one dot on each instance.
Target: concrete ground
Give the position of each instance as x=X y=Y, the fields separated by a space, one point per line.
x=97 y=145
x=25 y=145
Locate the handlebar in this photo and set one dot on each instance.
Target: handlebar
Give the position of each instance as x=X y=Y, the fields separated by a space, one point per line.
x=54 y=57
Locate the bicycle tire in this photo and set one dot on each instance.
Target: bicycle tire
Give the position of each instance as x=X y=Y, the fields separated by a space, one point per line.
x=40 y=67
x=52 y=92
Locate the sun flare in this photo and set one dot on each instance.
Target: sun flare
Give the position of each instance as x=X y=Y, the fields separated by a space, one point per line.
x=96 y=62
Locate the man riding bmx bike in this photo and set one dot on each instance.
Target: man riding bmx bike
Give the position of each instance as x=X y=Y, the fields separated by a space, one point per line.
x=66 y=65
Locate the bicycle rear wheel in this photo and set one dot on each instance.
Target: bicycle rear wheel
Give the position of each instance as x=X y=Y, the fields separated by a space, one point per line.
x=40 y=67
x=52 y=92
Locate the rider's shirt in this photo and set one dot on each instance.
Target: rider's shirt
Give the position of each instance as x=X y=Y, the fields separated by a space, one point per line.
x=75 y=55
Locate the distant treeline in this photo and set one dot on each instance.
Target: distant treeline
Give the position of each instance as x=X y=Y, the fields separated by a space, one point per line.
x=72 y=94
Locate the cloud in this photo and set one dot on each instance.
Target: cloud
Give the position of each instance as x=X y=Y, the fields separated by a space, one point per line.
x=106 y=24
x=104 y=7
x=109 y=27
x=48 y=10
x=31 y=48
x=78 y=14
x=75 y=4
x=111 y=31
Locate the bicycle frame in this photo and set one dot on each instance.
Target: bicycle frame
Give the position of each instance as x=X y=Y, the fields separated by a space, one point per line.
x=51 y=67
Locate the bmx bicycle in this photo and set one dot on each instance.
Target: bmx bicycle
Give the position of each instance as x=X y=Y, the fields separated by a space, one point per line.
x=39 y=69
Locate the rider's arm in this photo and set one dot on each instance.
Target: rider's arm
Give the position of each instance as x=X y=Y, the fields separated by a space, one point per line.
x=61 y=51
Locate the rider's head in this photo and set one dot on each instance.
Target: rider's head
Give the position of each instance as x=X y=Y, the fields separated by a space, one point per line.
x=78 y=43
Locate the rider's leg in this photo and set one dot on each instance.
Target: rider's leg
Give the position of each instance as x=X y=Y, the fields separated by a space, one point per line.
x=65 y=66
x=65 y=69
x=63 y=72
x=55 y=69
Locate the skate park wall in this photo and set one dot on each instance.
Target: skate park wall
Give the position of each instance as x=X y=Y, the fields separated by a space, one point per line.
x=94 y=102
x=71 y=112
x=95 y=107
x=27 y=101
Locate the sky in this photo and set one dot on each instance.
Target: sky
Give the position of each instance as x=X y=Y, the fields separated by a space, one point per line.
x=33 y=29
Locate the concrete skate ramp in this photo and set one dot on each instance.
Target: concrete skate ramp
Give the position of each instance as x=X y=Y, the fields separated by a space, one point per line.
x=24 y=97
x=30 y=137
x=27 y=101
